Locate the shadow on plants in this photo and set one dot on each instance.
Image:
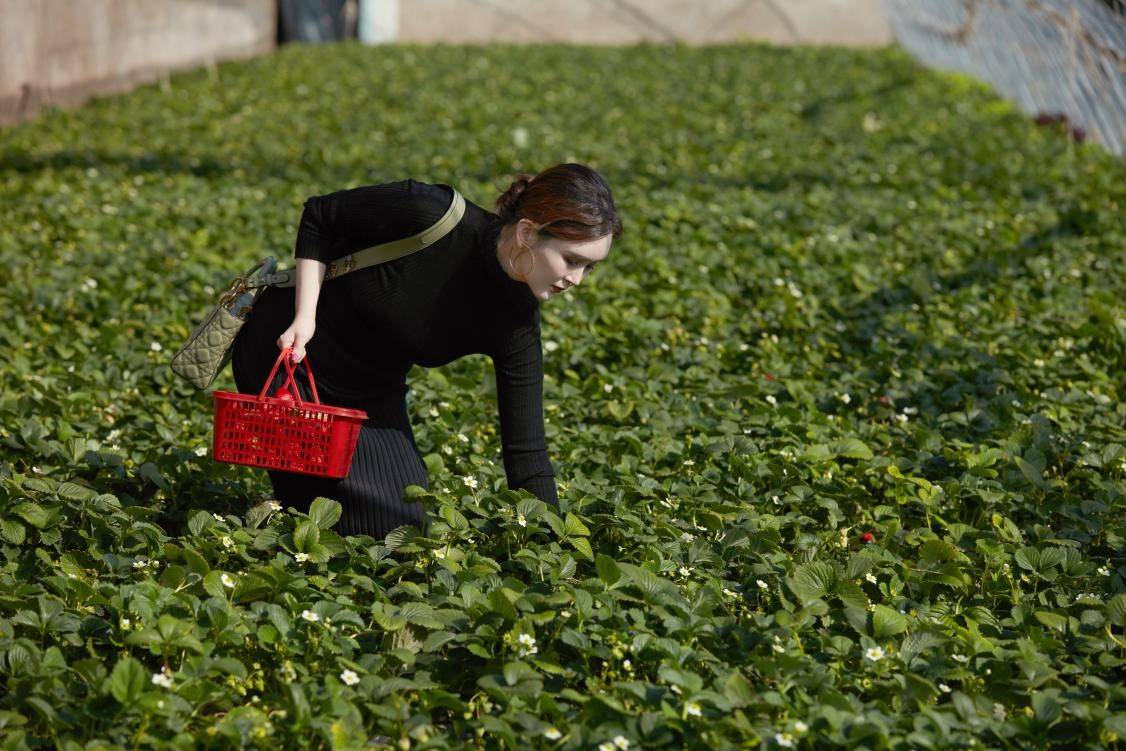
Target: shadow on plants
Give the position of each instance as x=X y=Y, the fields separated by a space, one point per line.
x=146 y=163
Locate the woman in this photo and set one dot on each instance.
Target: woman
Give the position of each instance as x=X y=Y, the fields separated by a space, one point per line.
x=477 y=290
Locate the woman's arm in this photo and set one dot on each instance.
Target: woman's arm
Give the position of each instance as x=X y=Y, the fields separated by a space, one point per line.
x=518 y=364
x=310 y=276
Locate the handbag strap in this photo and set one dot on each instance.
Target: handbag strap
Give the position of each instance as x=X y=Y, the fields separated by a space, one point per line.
x=361 y=259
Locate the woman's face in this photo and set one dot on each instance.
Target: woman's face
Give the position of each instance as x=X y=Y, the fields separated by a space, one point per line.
x=560 y=264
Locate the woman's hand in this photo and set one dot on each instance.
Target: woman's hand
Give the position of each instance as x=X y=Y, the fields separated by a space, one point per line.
x=297 y=335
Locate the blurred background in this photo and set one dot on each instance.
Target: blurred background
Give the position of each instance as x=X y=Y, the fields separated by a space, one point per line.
x=1061 y=61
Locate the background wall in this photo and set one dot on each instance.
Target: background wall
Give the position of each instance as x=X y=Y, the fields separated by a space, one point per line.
x=845 y=22
x=61 y=52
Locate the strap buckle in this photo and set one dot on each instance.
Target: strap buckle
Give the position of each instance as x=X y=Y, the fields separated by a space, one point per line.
x=347 y=263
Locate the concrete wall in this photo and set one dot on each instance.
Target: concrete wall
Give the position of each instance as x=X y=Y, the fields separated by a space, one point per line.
x=843 y=22
x=61 y=52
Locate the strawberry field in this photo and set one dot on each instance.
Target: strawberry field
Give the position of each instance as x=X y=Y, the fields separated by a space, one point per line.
x=838 y=426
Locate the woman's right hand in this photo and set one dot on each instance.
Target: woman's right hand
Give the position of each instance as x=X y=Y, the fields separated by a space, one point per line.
x=297 y=335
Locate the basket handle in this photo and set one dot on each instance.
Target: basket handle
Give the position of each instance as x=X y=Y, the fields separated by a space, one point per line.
x=290 y=370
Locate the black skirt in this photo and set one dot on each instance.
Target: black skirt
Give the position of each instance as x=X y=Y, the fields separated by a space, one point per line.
x=386 y=459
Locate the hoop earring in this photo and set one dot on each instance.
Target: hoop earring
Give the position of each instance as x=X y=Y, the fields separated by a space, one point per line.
x=523 y=275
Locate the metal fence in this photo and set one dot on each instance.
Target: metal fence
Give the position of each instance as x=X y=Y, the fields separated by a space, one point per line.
x=1048 y=56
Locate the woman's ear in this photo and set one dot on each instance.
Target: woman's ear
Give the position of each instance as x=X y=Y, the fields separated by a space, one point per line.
x=526 y=233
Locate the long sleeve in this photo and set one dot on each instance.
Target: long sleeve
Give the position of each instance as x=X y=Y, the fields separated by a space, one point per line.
x=345 y=221
x=518 y=362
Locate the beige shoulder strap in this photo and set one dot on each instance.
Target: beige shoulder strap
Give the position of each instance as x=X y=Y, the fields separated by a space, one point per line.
x=361 y=259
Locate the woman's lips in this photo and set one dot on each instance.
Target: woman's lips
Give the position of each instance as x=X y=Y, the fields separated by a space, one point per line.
x=555 y=289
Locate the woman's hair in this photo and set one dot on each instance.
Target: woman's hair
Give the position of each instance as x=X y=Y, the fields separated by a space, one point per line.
x=571 y=199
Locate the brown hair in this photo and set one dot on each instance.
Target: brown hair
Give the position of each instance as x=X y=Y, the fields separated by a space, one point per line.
x=572 y=200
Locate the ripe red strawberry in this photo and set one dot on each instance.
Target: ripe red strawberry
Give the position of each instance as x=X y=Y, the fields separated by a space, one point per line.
x=867 y=537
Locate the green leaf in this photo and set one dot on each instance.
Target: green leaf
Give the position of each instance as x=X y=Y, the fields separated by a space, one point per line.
x=12 y=531
x=1051 y=620
x=324 y=512
x=501 y=604
x=811 y=581
x=149 y=471
x=854 y=448
x=74 y=492
x=306 y=535
x=200 y=521
x=127 y=681
x=573 y=526
x=608 y=570
x=887 y=622
x=34 y=514
x=1116 y=610
x=582 y=545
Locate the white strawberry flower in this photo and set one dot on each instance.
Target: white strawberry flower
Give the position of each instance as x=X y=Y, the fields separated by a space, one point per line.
x=844 y=397
x=785 y=740
x=621 y=742
x=552 y=734
x=350 y=677
x=871 y=577
x=771 y=400
x=800 y=727
x=310 y=616
x=761 y=584
x=91 y=283
x=140 y=563
x=607 y=387
x=875 y=654
x=227 y=580
x=683 y=570
x=162 y=679
x=274 y=506
x=960 y=658
x=470 y=481
x=217 y=517
x=201 y=451
x=155 y=347
x=301 y=557
x=693 y=709
x=944 y=688
x=521 y=520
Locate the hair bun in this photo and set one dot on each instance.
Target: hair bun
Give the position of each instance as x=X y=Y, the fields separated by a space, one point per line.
x=506 y=204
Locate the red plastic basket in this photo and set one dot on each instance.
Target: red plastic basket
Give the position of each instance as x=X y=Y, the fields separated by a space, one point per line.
x=282 y=431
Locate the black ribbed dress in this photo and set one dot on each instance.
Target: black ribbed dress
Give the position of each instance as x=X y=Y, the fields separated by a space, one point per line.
x=429 y=308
